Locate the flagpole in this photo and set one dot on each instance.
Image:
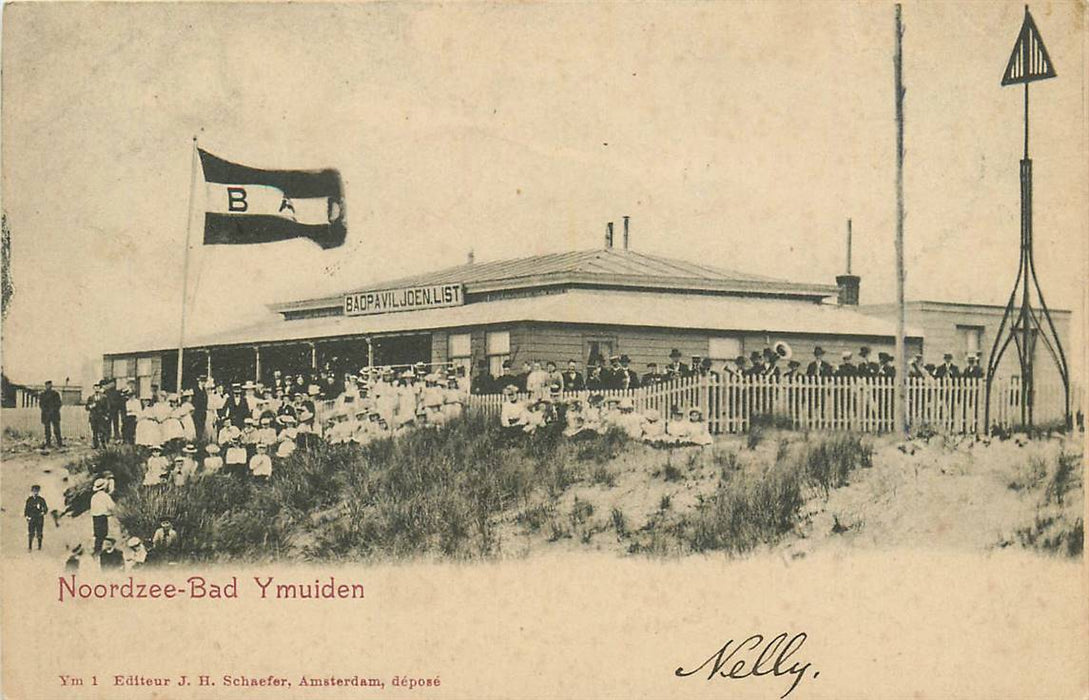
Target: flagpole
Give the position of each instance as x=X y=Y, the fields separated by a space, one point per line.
x=900 y=391
x=185 y=263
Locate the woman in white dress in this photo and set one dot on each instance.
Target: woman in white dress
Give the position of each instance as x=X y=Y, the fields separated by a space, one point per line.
x=216 y=399
x=147 y=428
x=169 y=424
x=184 y=413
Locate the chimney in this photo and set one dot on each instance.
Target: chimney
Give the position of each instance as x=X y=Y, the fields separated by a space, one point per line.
x=471 y=258
x=609 y=235
x=626 y=219
x=848 y=284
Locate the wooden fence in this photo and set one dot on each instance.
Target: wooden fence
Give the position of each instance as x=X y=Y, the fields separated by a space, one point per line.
x=839 y=403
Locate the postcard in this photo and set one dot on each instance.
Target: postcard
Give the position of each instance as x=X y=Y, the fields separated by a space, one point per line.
x=544 y=350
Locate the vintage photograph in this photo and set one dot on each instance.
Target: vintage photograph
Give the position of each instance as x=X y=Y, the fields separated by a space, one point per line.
x=432 y=291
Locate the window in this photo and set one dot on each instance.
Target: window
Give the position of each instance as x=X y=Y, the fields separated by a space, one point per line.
x=599 y=350
x=120 y=372
x=971 y=339
x=722 y=349
x=144 y=371
x=497 y=348
x=459 y=351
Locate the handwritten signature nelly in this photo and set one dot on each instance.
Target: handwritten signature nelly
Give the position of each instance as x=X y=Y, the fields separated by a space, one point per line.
x=772 y=657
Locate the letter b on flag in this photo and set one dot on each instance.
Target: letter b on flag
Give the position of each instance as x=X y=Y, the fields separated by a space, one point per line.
x=236 y=199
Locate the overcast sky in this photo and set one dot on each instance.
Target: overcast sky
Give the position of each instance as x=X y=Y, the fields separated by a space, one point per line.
x=741 y=135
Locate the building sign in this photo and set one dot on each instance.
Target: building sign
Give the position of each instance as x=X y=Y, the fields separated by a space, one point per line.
x=384 y=301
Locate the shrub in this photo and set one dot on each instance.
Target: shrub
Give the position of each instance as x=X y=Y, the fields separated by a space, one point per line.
x=1067 y=475
x=828 y=462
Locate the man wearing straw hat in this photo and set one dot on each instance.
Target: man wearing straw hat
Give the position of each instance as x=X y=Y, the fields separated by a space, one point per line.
x=102 y=507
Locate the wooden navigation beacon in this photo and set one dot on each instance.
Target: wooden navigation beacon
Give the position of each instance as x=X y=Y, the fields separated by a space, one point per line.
x=1030 y=322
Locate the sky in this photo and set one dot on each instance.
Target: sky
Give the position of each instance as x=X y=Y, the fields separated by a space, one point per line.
x=742 y=135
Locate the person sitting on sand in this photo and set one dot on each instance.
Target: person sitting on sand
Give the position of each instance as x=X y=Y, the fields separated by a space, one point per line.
x=157 y=467
x=212 y=462
x=698 y=434
x=261 y=463
x=628 y=420
x=653 y=428
x=513 y=413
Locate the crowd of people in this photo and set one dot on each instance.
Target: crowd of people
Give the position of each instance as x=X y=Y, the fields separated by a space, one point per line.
x=597 y=414
x=777 y=363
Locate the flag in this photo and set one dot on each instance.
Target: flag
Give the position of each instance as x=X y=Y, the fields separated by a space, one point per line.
x=1029 y=60
x=246 y=205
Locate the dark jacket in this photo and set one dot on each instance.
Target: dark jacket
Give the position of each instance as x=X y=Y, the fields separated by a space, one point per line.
x=50 y=403
x=36 y=507
x=573 y=381
x=823 y=369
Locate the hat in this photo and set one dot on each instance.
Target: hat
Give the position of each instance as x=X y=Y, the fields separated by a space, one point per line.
x=652 y=415
x=947 y=356
x=754 y=355
x=305 y=415
x=156 y=448
x=783 y=350
x=134 y=541
x=265 y=420
x=262 y=446
x=77 y=548
x=100 y=485
x=288 y=419
x=652 y=364
x=595 y=399
x=884 y=357
x=627 y=404
x=624 y=359
x=248 y=420
x=179 y=458
x=694 y=412
x=674 y=354
x=510 y=389
x=846 y=354
x=212 y=448
x=864 y=350
x=612 y=399
x=190 y=449
x=109 y=539
x=818 y=350
x=187 y=392
x=235 y=386
x=249 y=385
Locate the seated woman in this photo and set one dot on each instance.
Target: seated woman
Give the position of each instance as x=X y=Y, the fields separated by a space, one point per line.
x=698 y=434
x=157 y=467
x=453 y=400
x=213 y=462
x=512 y=414
x=261 y=463
x=575 y=419
x=237 y=458
x=653 y=428
x=676 y=429
x=535 y=416
x=287 y=437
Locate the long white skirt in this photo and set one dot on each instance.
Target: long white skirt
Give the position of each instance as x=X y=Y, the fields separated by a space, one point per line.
x=147 y=432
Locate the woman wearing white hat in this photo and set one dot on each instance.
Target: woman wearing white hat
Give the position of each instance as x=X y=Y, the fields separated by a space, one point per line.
x=213 y=462
x=102 y=506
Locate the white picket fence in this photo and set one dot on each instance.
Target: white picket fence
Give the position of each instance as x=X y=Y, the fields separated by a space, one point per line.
x=860 y=404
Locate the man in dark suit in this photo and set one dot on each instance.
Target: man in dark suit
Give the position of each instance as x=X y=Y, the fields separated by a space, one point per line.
x=626 y=377
x=676 y=369
x=818 y=367
x=200 y=405
x=653 y=376
x=756 y=364
x=49 y=401
x=236 y=409
x=866 y=367
x=572 y=378
x=885 y=367
x=973 y=370
x=947 y=370
x=115 y=410
x=847 y=368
